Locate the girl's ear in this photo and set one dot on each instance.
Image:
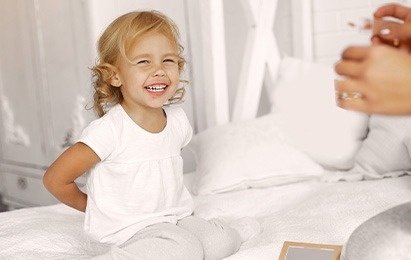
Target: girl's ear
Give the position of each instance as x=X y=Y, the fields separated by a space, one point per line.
x=115 y=79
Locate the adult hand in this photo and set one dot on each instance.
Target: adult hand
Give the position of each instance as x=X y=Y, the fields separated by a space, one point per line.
x=396 y=32
x=377 y=79
x=394 y=10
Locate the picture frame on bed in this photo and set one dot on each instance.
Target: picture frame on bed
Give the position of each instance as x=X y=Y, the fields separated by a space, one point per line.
x=309 y=251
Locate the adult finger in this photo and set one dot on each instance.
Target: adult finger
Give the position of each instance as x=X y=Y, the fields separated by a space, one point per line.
x=375 y=39
x=347 y=85
x=394 y=10
x=348 y=68
x=360 y=104
x=354 y=53
x=391 y=31
x=348 y=95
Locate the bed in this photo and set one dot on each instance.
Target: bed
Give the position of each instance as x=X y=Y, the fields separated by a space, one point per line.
x=306 y=170
x=314 y=185
x=311 y=211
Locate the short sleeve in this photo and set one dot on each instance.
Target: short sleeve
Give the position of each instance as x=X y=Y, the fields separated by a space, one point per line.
x=99 y=136
x=181 y=124
x=187 y=130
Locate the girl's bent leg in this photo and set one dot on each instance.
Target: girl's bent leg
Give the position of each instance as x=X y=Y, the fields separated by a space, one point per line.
x=218 y=239
x=158 y=242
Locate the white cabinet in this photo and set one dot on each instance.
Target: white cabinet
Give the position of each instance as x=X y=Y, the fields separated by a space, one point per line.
x=24 y=187
x=45 y=55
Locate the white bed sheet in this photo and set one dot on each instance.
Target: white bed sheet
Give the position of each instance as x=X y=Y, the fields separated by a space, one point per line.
x=313 y=212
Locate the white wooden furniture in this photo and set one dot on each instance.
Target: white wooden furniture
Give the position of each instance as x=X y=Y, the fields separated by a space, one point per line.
x=259 y=61
x=44 y=82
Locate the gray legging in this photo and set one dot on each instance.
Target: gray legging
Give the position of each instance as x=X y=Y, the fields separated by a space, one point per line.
x=382 y=237
x=192 y=238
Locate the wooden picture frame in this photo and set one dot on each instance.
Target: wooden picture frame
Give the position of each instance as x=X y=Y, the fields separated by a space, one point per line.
x=307 y=251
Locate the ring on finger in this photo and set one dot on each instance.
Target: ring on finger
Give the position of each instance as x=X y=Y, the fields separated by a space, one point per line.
x=348 y=95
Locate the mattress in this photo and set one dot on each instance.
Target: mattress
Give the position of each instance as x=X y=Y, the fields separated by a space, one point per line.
x=309 y=211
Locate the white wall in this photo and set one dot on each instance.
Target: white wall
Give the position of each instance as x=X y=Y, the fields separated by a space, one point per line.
x=330 y=30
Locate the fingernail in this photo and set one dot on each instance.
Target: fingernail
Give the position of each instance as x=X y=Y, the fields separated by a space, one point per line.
x=385 y=31
x=374 y=38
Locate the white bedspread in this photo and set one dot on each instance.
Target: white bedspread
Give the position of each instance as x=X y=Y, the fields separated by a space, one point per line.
x=311 y=212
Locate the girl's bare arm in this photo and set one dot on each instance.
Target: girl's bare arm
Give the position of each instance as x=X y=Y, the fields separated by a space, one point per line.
x=59 y=177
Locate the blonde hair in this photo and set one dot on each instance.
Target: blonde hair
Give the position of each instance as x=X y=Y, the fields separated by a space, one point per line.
x=116 y=41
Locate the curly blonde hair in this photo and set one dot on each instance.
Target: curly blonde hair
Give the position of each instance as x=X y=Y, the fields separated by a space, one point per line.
x=116 y=41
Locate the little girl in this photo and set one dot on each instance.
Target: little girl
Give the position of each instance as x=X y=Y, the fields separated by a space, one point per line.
x=136 y=201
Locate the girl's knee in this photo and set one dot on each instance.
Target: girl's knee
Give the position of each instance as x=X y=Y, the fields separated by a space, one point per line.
x=189 y=247
x=221 y=242
x=218 y=239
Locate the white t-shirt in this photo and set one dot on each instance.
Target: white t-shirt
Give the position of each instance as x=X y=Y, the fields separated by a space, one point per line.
x=139 y=181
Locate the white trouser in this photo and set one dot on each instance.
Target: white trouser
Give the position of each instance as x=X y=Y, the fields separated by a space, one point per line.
x=192 y=238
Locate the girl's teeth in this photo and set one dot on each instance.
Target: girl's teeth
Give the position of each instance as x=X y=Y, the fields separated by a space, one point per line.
x=156 y=88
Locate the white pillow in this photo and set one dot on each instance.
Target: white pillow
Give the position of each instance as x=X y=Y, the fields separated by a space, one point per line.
x=305 y=97
x=384 y=153
x=385 y=148
x=248 y=154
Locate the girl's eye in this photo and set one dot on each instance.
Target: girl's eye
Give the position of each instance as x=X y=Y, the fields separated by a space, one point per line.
x=143 y=62
x=169 y=60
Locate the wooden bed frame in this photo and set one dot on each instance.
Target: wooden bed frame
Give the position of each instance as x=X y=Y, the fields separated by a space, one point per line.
x=260 y=60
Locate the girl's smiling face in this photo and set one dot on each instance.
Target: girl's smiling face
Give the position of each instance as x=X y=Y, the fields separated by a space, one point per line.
x=152 y=77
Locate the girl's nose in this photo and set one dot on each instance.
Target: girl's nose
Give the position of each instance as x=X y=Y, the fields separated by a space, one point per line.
x=159 y=72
